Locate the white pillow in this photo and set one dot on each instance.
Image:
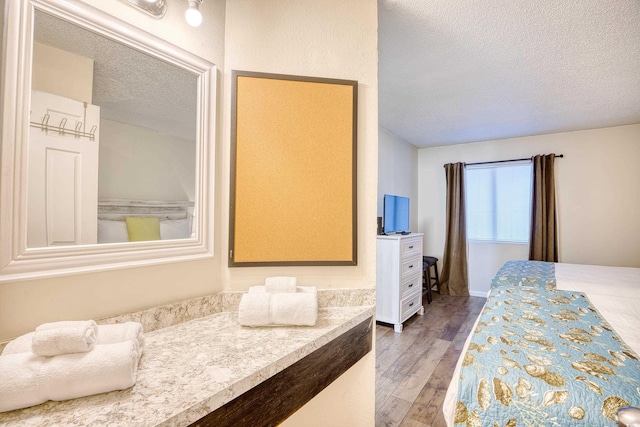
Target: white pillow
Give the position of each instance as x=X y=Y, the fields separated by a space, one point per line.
x=175 y=229
x=112 y=231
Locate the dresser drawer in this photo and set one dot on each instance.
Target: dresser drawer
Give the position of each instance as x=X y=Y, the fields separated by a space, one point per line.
x=410 y=306
x=410 y=284
x=410 y=247
x=410 y=266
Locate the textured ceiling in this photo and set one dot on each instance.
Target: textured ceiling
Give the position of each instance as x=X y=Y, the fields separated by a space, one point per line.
x=457 y=71
x=129 y=86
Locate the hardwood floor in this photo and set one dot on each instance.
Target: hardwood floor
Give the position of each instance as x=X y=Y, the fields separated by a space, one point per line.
x=414 y=368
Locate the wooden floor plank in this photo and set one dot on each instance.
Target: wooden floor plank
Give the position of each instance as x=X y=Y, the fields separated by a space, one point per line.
x=384 y=388
x=415 y=380
x=414 y=368
x=408 y=422
x=439 y=420
x=405 y=363
x=386 y=358
x=435 y=406
x=392 y=412
x=384 y=338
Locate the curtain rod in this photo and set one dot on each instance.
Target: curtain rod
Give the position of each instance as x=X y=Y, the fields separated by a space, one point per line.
x=506 y=161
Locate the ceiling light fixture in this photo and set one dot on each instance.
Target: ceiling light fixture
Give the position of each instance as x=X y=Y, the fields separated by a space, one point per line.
x=154 y=8
x=193 y=15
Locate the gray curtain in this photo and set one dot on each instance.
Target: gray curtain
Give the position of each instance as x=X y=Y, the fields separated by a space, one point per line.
x=454 y=278
x=543 y=243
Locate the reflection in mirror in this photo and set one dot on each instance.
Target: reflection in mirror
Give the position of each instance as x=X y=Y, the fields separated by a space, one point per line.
x=112 y=141
x=107 y=144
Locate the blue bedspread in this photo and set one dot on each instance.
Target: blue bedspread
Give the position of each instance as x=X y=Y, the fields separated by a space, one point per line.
x=543 y=357
x=526 y=273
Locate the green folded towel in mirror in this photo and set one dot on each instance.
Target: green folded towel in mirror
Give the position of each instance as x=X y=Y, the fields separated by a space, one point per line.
x=143 y=228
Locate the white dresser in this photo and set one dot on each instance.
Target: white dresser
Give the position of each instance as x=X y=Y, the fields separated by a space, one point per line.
x=399 y=278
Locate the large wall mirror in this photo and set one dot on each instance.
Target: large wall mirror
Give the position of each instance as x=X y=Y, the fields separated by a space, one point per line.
x=106 y=144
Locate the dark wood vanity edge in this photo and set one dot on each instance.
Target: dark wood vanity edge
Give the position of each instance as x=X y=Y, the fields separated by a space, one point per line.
x=272 y=401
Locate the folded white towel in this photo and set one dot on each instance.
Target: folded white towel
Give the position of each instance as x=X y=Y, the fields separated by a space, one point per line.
x=107 y=334
x=71 y=339
x=254 y=309
x=257 y=289
x=22 y=344
x=29 y=380
x=18 y=388
x=294 y=309
x=279 y=284
x=264 y=309
x=262 y=289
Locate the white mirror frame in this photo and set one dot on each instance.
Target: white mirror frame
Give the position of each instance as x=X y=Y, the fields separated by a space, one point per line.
x=17 y=262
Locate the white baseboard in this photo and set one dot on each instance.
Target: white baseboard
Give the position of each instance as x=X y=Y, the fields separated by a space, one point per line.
x=481 y=294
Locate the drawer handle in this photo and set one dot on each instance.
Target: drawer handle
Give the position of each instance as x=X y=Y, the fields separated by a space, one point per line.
x=411 y=285
x=411 y=266
x=410 y=247
x=411 y=305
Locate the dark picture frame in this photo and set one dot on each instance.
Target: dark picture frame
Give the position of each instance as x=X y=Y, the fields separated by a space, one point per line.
x=293 y=183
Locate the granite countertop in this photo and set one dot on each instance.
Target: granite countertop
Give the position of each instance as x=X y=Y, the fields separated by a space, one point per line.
x=190 y=369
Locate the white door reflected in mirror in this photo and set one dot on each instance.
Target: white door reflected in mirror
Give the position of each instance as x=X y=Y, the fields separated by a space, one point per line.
x=63 y=173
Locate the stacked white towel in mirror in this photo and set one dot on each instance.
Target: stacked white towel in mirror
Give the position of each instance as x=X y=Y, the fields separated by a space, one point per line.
x=280 y=302
x=82 y=359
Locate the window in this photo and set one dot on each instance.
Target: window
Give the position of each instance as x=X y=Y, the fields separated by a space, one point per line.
x=498 y=202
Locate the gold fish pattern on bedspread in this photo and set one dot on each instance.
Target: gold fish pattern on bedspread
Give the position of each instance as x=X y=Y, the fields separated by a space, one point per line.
x=542 y=357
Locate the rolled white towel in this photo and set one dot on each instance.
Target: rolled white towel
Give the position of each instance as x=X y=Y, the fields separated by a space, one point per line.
x=107 y=334
x=279 y=284
x=69 y=324
x=71 y=339
x=120 y=332
x=29 y=380
x=294 y=309
x=257 y=289
x=254 y=309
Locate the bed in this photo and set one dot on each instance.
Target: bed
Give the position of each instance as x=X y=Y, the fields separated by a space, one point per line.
x=555 y=345
x=174 y=218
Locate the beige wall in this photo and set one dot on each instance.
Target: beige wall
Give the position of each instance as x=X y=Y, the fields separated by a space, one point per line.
x=328 y=38
x=138 y=163
x=62 y=73
x=596 y=182
x=1 y=30
x=398 y=173
x=349 y=401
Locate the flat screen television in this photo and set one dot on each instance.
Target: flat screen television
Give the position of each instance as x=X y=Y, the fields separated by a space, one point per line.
x=396 y=214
